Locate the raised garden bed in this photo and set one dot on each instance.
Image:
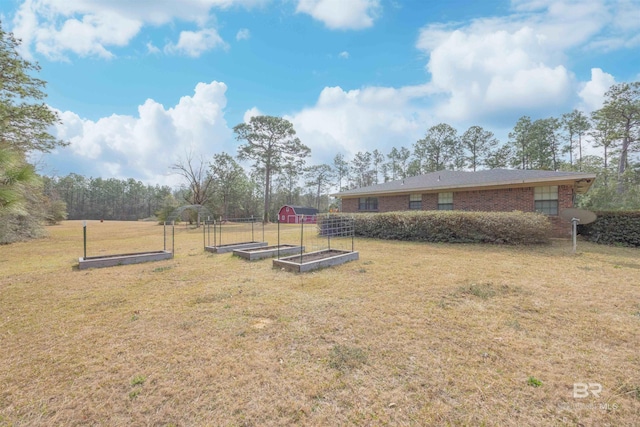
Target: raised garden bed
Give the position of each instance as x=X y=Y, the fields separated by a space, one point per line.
x=222 y=249
x=253 y=254
x=315 y=260
x=122 y=259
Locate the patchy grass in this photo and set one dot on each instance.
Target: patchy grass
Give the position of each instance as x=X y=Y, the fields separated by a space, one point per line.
x=412 y=334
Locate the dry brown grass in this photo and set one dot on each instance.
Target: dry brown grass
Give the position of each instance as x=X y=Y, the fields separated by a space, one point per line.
x=412 y=334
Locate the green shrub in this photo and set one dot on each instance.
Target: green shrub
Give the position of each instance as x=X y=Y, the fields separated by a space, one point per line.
x=455 y=227
x=614 y=228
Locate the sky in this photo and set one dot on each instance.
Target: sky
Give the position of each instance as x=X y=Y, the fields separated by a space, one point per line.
x=142 y=84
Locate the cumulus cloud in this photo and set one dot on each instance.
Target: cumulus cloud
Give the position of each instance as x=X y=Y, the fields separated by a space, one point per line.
x=361 y=120
x=195 y=43
x=144 y=147
x=515 y=63
x=252 y=112
x=340 y=14
x=344 y=55
x=94 y=27
x=592 y=94
x=243 y=34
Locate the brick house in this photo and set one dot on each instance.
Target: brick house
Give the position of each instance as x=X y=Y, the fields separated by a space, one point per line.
x=492 y=190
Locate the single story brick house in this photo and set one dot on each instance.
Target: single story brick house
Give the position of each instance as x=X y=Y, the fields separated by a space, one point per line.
x=492 y=190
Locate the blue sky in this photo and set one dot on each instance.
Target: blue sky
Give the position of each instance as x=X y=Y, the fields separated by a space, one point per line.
x=140 y=84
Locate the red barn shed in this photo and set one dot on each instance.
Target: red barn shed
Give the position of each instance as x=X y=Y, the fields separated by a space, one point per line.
x=293 y=214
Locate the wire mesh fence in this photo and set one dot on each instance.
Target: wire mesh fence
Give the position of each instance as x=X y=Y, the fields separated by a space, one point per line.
x=322 y=232
x=233 y=231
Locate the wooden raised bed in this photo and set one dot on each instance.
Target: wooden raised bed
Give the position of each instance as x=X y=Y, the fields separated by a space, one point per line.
x=315 y=260
x=253 y=254
x=222 y=249
x=122 y=259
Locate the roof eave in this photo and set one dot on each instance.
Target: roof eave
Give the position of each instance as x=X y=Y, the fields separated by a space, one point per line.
x=587 y=178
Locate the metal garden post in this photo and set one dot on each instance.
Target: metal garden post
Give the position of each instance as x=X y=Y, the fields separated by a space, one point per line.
x=353 y=231
x=164 y=236
x=252 y=239
x=84 y=233
x=326 y=230
x=301 y=236
x=574 y=232
x=173 y=238
x=278 y=236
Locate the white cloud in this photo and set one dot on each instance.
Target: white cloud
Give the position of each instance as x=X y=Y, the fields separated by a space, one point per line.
x=151 y=48
x=252 y=112
x=94 y=27
x=592 y=94
x=361 y=120
x=195 y=43
x=243 y=34
x=144 y=147
x=344 y=55
x=341 y=14
x=517 y=64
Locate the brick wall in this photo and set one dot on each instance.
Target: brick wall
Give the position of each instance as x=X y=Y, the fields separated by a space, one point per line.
x=502 y=200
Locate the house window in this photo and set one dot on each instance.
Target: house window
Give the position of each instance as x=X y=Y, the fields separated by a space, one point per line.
x=445 y=201
x=546 y=199
x=368 y=204
x=415 y=201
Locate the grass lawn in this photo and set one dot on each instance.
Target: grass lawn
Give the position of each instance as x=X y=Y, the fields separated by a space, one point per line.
x=411 y=334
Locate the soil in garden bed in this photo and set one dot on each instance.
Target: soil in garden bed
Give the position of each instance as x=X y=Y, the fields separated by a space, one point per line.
x=315 y=256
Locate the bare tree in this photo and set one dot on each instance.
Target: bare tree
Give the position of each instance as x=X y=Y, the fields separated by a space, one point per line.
x=199 y=180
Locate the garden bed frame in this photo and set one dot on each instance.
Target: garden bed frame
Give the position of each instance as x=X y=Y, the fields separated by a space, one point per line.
x=253 y=254
x=100 y=261
x=315 y=260
x=223 y=249
x=122 y=259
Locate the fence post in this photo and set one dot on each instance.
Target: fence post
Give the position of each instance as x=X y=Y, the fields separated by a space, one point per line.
x=204 y=236
x=84 y=234
x=220 y=233
x=173 y=239
x=252 y=239
x=301 y=236
x=278 y=235
x=353 y=231
x=326 y=230
x=164 y=236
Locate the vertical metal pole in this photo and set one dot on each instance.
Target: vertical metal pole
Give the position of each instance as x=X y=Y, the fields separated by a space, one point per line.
x=574 y=232
x=208 y=230
x=278 y=236
x=164 y=236
x=252 y=239
x=353 y=232
x=215 y=234
x=262 y=230
x=204 y=236
x=220 y=233
x=301 y=236
x=326 y=230
x=84 y=233
x=173 y=238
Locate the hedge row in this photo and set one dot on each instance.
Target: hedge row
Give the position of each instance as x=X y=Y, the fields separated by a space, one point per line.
x=513 y=228
x=614 y=228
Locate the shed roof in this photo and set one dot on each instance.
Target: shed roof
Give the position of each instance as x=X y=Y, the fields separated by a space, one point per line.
x=302 y=210
x=447 y=180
